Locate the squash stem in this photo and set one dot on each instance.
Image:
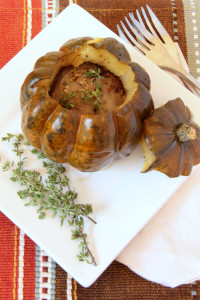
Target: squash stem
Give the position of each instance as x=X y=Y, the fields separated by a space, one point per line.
x=185 y=133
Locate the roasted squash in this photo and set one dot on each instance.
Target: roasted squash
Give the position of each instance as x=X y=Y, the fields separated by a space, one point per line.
x=170 y=140
x=85 y=127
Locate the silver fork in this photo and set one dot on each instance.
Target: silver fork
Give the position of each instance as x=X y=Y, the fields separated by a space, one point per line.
x=164 y=54
x=168 y=42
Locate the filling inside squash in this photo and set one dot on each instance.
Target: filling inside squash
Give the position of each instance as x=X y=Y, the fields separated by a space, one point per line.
x=88 y=88
x=119 y=73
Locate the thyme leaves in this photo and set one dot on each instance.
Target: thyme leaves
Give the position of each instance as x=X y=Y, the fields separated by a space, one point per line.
x=93 y=97
x=52 y=193
x=92 y=73
x=65 y=100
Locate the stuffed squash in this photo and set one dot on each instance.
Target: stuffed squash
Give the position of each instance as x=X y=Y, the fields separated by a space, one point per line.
x=85 y=104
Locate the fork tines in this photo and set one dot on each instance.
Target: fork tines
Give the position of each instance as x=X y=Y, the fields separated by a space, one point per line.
x=140 y=34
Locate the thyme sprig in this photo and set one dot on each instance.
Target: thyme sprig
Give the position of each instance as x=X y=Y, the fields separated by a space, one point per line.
x=51 y=194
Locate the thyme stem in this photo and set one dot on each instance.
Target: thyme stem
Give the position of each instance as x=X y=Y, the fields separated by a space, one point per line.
x=49 y=194
x=88 y=249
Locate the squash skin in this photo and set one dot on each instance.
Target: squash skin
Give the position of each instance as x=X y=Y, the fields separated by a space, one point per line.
x=35 y=115
x=140 y=74
x=60 y=134
x=172 y=157
x=87 y=142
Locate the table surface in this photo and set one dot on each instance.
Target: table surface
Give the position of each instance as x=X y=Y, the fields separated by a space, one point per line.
x=27 y=272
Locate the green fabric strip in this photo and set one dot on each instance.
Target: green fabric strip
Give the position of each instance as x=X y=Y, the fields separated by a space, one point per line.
x=192 y=23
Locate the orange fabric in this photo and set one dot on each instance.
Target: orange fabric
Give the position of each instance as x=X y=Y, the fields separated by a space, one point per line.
x=12 y=22
x=8 y=258
x=29 y=269
x=36 y=17
x=13 y=37
x=13 y=26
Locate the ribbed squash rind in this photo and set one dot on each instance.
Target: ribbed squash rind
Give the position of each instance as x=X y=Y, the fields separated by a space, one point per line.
x=167 y=153
x=87 y=142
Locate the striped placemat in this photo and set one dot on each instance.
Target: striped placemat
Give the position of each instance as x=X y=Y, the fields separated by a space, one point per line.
x=26 y=271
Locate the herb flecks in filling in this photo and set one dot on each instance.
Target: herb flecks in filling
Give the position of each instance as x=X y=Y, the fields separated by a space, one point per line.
x=65 y=100
x=93 y=97
x=95 y=89
x=92 y=73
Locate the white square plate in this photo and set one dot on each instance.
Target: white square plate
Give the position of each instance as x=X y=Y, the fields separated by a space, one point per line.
x=123 y=199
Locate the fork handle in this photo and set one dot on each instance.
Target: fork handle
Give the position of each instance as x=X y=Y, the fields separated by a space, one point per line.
x=187 y=82
x=176 y=69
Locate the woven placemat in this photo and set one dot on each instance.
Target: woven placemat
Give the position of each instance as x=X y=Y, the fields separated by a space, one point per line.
x=26 y=271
